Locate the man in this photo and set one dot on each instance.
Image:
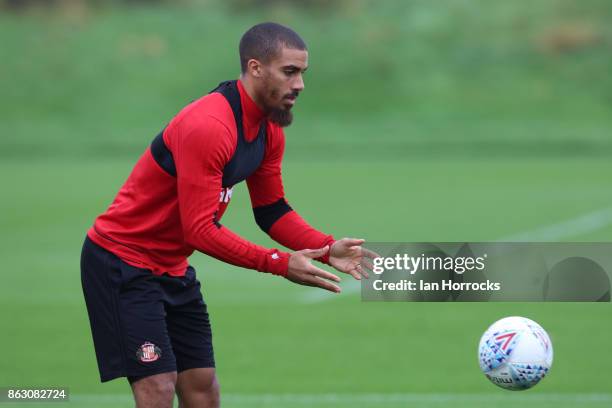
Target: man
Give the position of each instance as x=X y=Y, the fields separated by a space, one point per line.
x=148 y=318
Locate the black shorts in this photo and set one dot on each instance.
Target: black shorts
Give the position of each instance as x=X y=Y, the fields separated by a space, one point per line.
x=143 y=324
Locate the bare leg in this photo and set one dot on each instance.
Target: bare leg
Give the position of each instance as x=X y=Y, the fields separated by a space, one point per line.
x=198 y=388
x=156 y=391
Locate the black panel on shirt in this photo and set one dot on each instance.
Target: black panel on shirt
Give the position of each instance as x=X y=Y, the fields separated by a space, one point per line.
x=162 y=155
x=248 y=155
x=267 y=215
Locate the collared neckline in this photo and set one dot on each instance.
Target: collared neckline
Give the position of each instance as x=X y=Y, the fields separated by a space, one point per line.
x=251 y=113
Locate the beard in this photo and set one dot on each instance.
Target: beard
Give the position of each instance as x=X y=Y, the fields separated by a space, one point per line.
x=279 y=115
x=282 y=117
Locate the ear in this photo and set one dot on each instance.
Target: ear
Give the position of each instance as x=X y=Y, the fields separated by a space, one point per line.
x=254 y=68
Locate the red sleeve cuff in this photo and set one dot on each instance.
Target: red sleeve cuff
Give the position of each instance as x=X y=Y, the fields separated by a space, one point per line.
x=277 y=263
x=325 y=258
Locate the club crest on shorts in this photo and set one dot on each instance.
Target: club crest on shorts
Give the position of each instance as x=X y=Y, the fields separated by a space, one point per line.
x=148 y=352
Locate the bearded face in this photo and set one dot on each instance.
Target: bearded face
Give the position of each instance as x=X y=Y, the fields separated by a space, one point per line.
x=281 y=83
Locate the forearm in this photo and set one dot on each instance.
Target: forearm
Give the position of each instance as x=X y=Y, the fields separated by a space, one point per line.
x=221 y=243
x=292 y=231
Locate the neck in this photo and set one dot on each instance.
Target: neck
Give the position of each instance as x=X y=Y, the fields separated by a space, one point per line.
x=249 y=87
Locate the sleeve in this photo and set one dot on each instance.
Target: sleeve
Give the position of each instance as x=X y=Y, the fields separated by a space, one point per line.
x=200 y=153
x=272 y=212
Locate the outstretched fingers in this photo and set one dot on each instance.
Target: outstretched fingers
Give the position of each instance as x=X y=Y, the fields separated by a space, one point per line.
x=313 y=270
x=361 y=270
x=355 y=271
x=365 y=263
x=369 y=253
x=353 y=241
x=320 y=278
x=315 y=253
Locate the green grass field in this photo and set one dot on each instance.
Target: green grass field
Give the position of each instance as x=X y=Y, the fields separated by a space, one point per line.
x=274 y=339
x=476 y=133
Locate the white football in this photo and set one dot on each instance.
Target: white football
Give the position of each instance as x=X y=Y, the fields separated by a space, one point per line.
x=515 y=353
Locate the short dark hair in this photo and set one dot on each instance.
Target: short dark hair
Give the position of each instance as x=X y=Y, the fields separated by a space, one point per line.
x=263 y=42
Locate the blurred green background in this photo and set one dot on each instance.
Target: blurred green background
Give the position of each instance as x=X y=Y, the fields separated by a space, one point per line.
x=465 y=120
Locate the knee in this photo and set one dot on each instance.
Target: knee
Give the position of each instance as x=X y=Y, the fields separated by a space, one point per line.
x=210 y=384
x=159 y=388
x=163 y=388
x=208 y=387
x=198 y=388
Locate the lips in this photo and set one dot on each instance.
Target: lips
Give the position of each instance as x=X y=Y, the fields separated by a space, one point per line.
x=291 y=95
x=290 y=99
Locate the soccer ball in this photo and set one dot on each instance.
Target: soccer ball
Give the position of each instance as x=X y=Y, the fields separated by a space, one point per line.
x=515 y=353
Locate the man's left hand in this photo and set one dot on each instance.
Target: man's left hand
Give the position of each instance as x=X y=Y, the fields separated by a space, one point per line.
x=347 y=255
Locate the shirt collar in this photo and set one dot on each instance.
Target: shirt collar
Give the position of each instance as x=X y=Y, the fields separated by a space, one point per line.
x=251 y=113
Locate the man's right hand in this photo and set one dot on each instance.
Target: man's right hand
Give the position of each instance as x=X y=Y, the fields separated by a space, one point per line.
x=303 y=272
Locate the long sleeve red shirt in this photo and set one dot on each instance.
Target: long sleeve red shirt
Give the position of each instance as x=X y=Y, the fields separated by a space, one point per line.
x=157 y=220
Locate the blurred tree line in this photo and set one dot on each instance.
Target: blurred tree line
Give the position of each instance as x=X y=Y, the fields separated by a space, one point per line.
x=17 y=5
x=24 y=4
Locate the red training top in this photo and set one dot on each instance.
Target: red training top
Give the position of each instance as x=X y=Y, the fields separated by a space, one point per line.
x=156 y=220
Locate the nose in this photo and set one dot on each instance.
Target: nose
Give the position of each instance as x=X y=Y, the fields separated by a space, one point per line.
x=298 y=85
